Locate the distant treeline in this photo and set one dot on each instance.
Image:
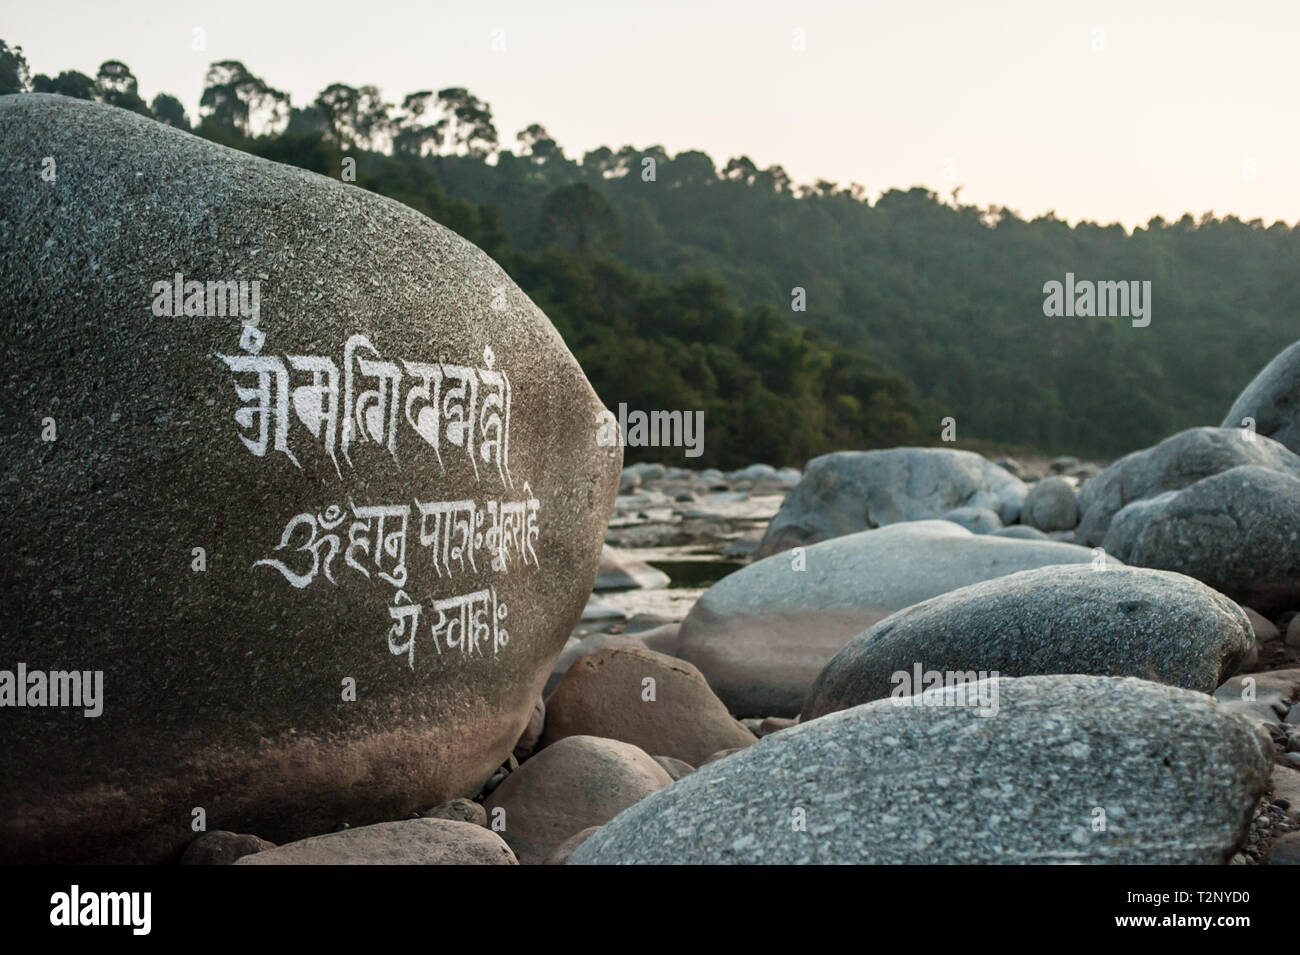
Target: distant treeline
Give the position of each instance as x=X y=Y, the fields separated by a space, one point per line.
x=678 y=285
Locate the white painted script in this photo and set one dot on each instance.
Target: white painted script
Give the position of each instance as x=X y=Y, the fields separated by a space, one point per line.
x=371 y=401
x=373 y=539
x=467 y=408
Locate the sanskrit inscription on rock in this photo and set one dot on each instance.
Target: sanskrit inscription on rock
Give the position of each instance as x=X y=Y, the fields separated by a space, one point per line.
x=451 y=408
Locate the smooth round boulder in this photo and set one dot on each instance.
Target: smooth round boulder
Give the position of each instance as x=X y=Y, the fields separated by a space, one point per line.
x=408 y=842
x=851 y=491
x=575 y=650
x=761 y=635
x=1173 y=464
x=650 y=700
x=1238 y=531
x=1272 y=400
x=1050 y=505
x=580 y=781
x=1122 y=621
x=1044 y=769
x=321 y=536
x=1130 y=521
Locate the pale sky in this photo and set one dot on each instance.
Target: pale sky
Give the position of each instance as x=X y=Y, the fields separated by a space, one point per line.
x=1111 y=110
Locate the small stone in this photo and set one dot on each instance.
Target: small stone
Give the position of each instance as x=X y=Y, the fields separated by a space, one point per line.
x=409 y=842
x=220 y=847
x=774 y=724
x=460 y=810
x=1293 y=632
x=721 y=754
x=1265 y=631
x=657 y=702
x=577 y=782
x=1050 y=506
x=675 y=768
x=532 y=734
x=565 y=849
x=1286 y=851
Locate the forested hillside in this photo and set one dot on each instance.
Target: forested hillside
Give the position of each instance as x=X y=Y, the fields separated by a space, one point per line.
x=678 y=281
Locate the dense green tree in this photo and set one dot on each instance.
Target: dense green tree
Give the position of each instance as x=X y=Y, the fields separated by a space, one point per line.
x=166 y=108
x=538 y=145
x=68 y=83
x=354 y=117
x=417 y=129
x=466 y=124
x=116 y=85
x=14 y=74
x=234 y=100
x=578 y=219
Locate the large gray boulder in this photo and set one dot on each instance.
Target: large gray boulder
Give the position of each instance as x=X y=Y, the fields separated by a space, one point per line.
x=1070 y=769
x=236 y=525
x=1122 y=621
x=851 y=491
x=1131 y=520
x=1171 y=465
x=761 y=635
x=1272 y=399
x=1238 y=531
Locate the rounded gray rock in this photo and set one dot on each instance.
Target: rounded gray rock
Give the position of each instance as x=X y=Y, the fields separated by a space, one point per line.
x=1050 y=505
x=1173 y=464
x=408 y=842
x=1069 y=769
x=219 y=847
x=1238 y=531
x=761 y=635
x=1123 y=621
x=241 y=525
x=1272 y=399
x=851 y=491
x=977 y=520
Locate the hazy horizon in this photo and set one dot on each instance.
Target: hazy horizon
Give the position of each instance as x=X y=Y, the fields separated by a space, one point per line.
x=1105 y=112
